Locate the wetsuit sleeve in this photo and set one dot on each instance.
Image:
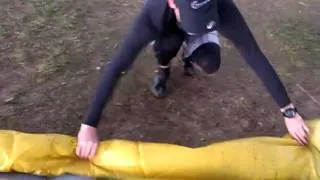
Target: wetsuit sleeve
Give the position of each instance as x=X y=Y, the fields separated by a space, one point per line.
x=139 y=35
x=234 y=28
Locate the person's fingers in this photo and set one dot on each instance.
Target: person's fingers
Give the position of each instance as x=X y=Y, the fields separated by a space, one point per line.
x=87 y=148
x=91 y=144
x=93 y=150
x=297 y=138
x=78 y=150
x=302 y=136
x=83 y=150
x=306 y=128
x=304 y=125
x=305 y=135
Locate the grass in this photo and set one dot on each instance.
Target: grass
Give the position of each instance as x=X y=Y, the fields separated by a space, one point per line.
x=299 y=37
x=55 y=63
x=49 y=28
x=299 y=40
x=3 y=31
x=8 y=119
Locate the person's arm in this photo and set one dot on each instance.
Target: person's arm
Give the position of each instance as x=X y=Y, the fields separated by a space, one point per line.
x=234 y=28
x=139 y=35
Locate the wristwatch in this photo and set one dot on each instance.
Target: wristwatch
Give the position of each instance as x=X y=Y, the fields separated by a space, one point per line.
x=290 y=112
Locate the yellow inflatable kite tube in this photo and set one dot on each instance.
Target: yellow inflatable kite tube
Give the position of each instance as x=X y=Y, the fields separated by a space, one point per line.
x=249 y=158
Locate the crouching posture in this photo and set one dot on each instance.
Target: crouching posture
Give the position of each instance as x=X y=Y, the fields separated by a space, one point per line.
x=193 y=25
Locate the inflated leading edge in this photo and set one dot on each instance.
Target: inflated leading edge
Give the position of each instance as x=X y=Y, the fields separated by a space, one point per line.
x=250 y=158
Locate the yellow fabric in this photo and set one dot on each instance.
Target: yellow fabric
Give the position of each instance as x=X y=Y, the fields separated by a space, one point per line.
x=249 y=158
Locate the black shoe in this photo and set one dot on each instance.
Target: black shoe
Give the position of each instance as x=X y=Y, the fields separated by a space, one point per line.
x=188 y=68
x=159 y=83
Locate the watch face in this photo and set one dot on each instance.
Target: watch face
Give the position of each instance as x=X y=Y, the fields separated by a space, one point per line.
x=290 y=113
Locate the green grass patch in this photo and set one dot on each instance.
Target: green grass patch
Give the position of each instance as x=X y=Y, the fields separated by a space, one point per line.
x=4 y=31
x=298 y=37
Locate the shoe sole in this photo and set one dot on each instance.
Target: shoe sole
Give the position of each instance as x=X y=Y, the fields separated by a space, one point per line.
x=156 y=94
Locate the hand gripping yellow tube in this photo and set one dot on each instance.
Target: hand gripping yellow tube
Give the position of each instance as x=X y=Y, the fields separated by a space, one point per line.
x=247 y=159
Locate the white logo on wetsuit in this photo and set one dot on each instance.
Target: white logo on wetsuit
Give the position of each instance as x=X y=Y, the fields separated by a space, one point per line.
x=211 y=24
x=197 y=5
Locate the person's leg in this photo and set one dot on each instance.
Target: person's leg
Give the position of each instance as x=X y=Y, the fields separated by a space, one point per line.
x=19 y=176
x=71 y=177
x=22 y=176
x=165 y=50
x=195 y=42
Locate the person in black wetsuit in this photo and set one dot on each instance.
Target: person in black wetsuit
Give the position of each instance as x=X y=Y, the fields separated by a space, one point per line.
x=172 y=24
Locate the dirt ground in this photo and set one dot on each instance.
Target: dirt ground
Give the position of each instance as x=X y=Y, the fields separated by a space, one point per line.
x=52 y=53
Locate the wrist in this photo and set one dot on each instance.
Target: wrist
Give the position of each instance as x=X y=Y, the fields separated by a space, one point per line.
x=289 y=111
x=86 y=126
x=289 y=106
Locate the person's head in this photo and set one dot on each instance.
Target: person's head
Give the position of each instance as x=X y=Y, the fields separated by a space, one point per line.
x=196 y=16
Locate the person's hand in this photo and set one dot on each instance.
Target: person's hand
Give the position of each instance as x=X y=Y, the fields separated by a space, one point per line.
x=297 y=129
x=87 y=142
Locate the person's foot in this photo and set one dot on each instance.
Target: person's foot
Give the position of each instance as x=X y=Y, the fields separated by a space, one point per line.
x=159 y=83
x=188 y=68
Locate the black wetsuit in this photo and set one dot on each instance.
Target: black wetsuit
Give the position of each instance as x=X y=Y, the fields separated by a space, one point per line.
x=156 y=21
